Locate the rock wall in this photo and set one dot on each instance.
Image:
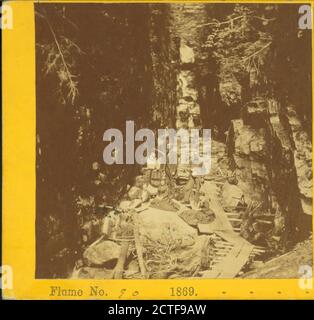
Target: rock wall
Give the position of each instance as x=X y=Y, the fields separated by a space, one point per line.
x=271 y=155
x=269 y=151
x=187 y=37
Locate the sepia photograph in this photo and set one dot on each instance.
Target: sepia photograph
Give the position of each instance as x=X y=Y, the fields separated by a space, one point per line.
x=173 y=141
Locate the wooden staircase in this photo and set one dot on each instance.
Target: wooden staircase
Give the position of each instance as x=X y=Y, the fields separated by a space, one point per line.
x=232 y=251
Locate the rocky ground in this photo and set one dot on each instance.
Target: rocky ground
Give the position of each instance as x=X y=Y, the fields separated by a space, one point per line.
x=286 y=265
x=172 y=224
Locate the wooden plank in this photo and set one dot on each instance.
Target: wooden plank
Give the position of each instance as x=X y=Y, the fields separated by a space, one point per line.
x=236 y=261
x=229 y=213
x=209 y=228
x=229 y=236
x=234 y=219
x=220 y=214
x=139 y=246
x=231 y=265
x=231 y=256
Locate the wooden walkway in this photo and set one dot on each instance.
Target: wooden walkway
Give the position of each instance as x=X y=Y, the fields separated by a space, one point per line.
x=232 y=251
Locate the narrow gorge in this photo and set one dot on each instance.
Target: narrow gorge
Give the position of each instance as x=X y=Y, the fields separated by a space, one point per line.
x=241 y=70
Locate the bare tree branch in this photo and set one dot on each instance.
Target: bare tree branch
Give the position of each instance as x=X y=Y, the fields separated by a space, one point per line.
x=72 y=86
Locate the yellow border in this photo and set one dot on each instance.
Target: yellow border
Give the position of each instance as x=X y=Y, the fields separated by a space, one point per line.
x=19 y=191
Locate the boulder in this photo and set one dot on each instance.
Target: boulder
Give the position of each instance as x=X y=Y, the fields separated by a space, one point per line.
x=155 y=224
x=124 y=204
x=151 y=190
x=100 y=253
x=194 y=217
x=135 y=193
x=135 y=203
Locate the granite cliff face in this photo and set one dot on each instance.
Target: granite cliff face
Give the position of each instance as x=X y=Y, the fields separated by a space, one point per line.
x=268 y=148
x=271 y=155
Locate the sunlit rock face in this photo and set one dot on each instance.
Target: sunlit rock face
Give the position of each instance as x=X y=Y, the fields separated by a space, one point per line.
x=187 y=33
x=272 y=155
x=302 y=154
x=248 y=149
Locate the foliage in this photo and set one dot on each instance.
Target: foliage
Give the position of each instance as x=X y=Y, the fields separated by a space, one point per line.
x=86 y=83
x=240 y=43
